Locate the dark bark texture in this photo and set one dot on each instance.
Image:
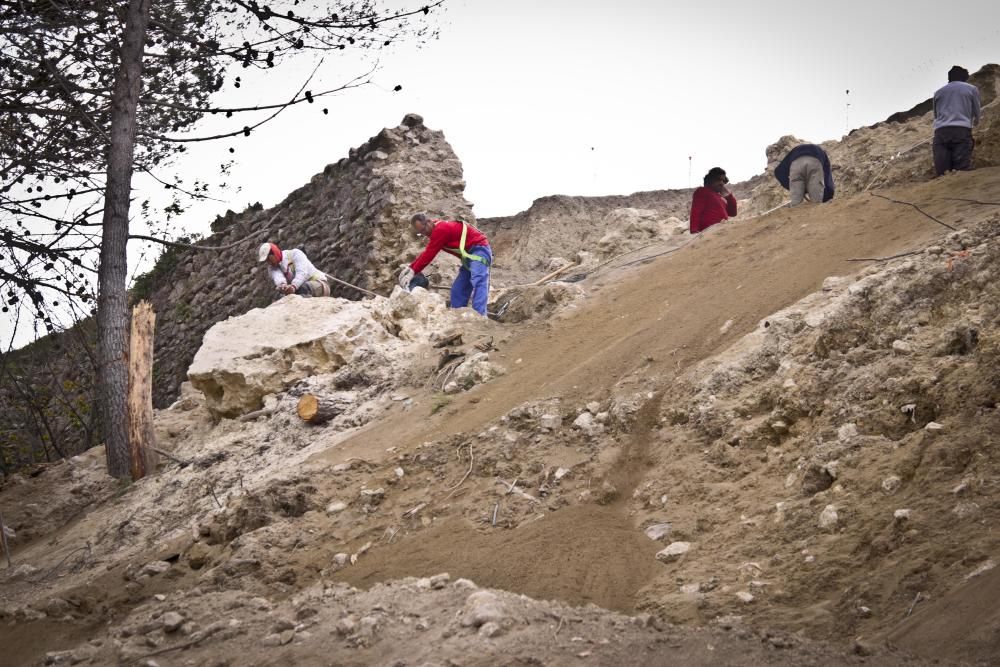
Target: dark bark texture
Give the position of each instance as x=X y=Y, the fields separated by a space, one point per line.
x=112 y=303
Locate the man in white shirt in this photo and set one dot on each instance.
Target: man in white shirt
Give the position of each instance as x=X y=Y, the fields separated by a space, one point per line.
x=292 y=272
x=956 y=112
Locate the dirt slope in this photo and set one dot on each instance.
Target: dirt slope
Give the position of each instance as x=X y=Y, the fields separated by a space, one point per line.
x=246 y=519
x=667 y=315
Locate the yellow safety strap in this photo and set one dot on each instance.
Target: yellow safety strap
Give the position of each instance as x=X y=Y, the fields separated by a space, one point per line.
x=461 y=247
x=321 y=277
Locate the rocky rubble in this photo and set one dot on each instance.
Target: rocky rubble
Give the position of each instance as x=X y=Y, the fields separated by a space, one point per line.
x=434 y=620
x=351 y=219
x=237 y=368
x=821 y=443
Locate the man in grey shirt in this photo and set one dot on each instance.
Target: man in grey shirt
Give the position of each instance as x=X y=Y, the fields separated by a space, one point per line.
x=956 y=112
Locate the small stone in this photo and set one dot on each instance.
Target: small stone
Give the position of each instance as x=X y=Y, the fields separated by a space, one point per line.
x=260 y=604
x=593 y=407
x=23 y=570
x=155 y=567
x=691 y=589
x=901 y=515
x=891 y=484
x=346 y=626
x=586 y=423
x=901 y=347
x=779 y=427
x=608 y=493
x=271 y=640
x=336 y=507
x=172 y=621
x=861 y=648
x=439 y=581
x=282 y=624
x=724 y=329
x=341 y=467
x=399 y=472
x=159 y=597
x=982 y=569
x=828 y=518
x=56 y=607
x=847 y=431
x=551 y=422
x=745 y=597
x=934 y=427
x=831 y=283
x=966 y=510
x=816 y=478
x=490 y=630
x=961 y=487
x=658 y=531
x=341 y=559
x=60 y=658
x=673 y=552
x=483 y=607
x=864 y=612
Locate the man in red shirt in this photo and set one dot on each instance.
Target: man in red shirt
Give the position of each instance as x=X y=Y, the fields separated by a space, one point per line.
x=713 y=202
x=463 y=241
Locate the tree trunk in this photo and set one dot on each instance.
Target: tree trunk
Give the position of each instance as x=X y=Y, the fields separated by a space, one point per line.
x=320 y=409
x=141 y=436
x=112 y=308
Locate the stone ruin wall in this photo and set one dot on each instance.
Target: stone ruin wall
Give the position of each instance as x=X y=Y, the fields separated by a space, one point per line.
x=351 y=220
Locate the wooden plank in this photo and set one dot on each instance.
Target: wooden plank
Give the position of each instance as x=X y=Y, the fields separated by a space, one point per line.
x=141 y=434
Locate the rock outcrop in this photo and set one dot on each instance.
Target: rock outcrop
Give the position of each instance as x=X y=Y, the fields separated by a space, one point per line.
x=351 y=219
x=237 y=367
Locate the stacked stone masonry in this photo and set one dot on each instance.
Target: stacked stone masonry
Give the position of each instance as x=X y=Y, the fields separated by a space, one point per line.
x=351 y=220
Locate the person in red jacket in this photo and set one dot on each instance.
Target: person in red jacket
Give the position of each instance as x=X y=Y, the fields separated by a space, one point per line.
x=713 y=202
x=463 y=241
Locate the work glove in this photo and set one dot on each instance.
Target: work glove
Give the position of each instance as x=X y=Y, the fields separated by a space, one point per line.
x=405 y=276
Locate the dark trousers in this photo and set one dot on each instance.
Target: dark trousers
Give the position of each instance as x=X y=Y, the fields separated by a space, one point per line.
x=952 y=149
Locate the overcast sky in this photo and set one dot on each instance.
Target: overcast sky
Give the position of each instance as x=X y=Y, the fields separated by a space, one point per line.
x=587 y=97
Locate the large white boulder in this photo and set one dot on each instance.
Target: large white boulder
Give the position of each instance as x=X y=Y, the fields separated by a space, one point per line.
x=264 y=351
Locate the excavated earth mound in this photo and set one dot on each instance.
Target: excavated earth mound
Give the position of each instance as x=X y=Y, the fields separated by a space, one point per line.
x=782 y=431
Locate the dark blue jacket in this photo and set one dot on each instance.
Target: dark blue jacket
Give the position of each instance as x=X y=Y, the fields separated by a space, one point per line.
x=807 y=150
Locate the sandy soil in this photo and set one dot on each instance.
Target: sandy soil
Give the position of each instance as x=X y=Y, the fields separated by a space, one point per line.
x=251 y=516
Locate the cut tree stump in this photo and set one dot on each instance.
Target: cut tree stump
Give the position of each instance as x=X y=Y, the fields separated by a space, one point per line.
x=320 y=409
x=141 y=435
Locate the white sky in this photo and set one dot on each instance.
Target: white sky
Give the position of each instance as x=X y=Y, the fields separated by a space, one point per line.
x=584 y=97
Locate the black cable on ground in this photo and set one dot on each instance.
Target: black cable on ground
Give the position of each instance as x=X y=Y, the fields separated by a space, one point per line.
x=885 y=259
x=922 y=211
